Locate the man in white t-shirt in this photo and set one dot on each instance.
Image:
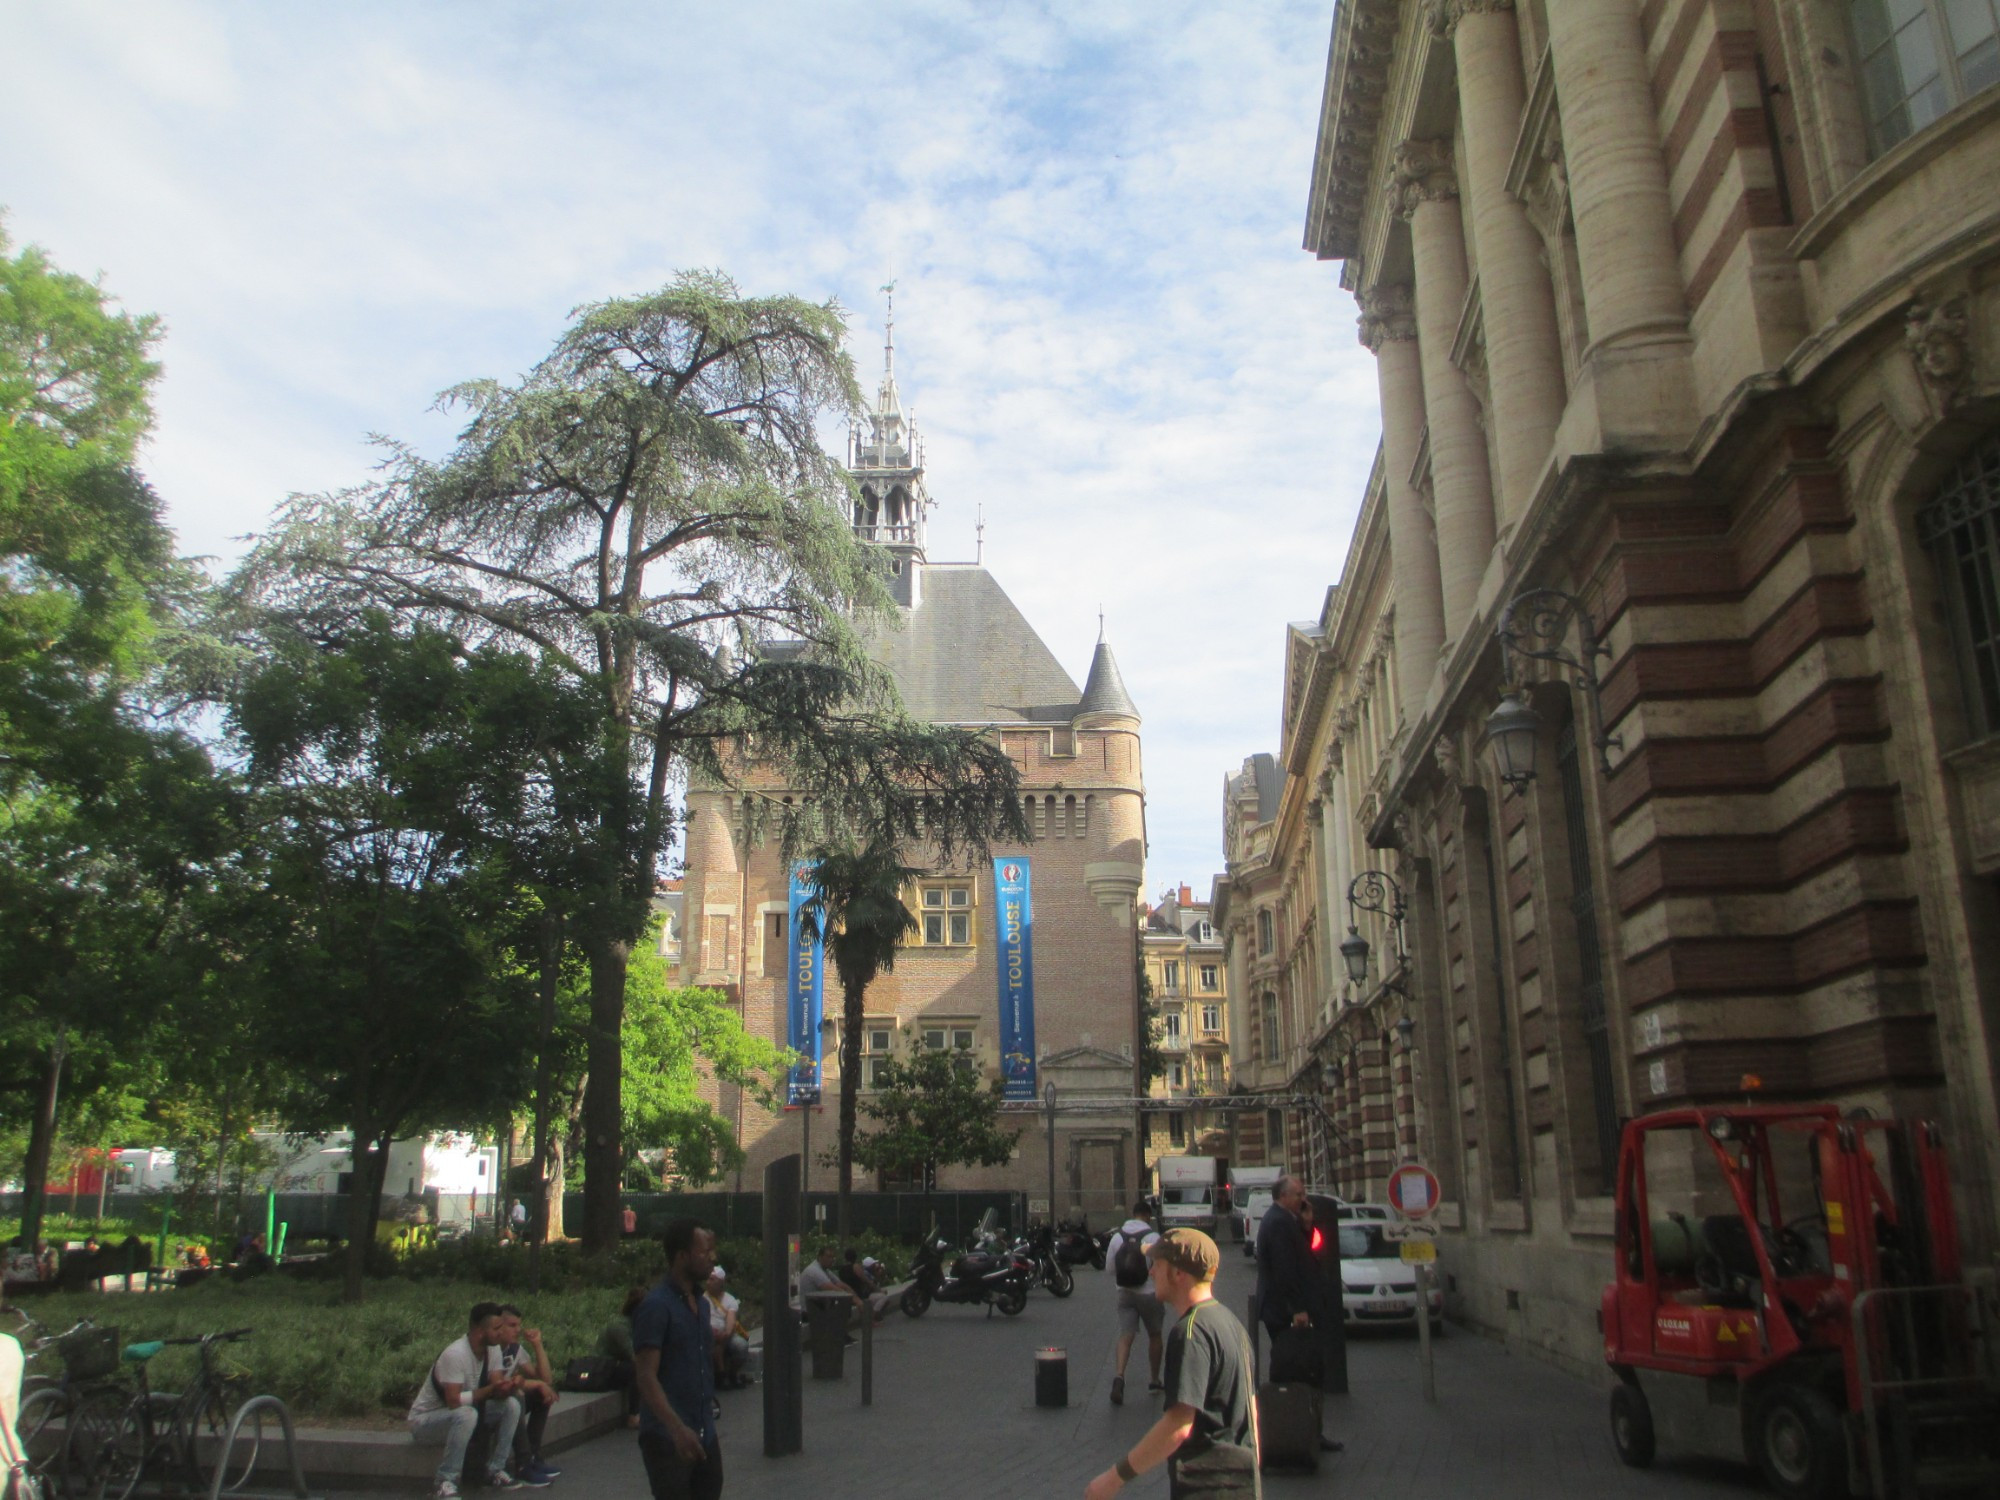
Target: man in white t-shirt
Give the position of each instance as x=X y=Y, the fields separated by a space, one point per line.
x=457 y=1397
x=1137 y=1305
x=732 y=1349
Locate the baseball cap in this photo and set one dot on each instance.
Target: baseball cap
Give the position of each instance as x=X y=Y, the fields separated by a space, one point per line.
x=1188 y=1250
x=718 y=1274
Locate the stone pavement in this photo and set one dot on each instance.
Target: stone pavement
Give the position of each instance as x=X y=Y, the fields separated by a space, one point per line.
x=954 y=1416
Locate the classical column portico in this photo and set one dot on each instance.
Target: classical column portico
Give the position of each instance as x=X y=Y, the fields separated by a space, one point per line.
x=1524 y=367
x=1428 y=196
x=1633 y=297
x=1389 y=327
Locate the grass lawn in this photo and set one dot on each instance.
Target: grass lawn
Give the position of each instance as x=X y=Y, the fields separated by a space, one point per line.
x=332 y=1364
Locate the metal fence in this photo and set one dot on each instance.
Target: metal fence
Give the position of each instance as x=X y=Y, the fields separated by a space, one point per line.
x=896 y=1215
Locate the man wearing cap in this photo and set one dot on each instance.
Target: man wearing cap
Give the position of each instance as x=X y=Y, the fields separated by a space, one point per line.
x=732 y=1349
x=1207 y=1436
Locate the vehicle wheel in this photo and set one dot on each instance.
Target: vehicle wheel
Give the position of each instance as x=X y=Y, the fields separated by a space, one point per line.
x=41 y=1440
x=105 y=1449
x=1796 y=1441
x=1060 y=1281
x=241 y=1461
x=1631 y=1425
x=916 y=1301
x=1012 y=1300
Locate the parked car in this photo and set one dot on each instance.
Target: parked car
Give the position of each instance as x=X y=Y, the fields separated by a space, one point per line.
x=1377 y=1287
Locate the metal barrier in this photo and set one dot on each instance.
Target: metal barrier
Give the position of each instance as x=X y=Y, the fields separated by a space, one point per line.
x=1922 y=1354
x=258 y=1405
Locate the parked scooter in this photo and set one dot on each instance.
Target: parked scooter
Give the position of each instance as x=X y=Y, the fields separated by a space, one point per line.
x=1077 y=1246
x=995 y=1278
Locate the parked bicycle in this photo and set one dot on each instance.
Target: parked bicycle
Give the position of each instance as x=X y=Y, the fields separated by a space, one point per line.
x=182 y=1440
x=65 y=1420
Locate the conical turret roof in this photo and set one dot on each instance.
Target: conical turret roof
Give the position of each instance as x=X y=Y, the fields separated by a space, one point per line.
x=1104 y=692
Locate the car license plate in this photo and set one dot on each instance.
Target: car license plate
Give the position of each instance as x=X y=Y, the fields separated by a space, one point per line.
x=1381 y=1304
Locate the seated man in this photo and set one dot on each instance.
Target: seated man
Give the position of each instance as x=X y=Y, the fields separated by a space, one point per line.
x=528 y=1366
x=452 y=1404
x=822 y=1276
x=732 y=1349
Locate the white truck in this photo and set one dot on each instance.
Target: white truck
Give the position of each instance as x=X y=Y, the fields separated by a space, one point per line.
x=1249 y=1197
x=1187 y=1192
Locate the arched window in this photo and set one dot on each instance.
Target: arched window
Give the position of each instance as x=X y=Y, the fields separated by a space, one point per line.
x=1961 y=527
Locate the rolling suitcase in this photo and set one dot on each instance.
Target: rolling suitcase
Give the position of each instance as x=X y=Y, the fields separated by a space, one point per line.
x=1288 y=1427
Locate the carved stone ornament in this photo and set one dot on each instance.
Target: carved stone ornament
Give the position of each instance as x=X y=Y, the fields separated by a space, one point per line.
x=1935 y=334
x=1336 y=758
x=1323 y=784
x=1384 y=639
x=1423 y=174
x=1388 y=315
x=1446 y=754
x=1442 y=16
x=1401 y=828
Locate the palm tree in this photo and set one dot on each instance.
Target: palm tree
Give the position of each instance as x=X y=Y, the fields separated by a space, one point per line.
x=857 y=902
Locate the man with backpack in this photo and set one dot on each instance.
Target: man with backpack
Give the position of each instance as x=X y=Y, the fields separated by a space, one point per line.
x=1126 y=1255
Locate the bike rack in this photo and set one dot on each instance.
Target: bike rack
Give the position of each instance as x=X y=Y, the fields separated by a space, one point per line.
x=256 y=1404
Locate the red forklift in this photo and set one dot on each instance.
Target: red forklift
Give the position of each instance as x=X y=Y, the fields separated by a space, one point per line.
x=1789 y=1290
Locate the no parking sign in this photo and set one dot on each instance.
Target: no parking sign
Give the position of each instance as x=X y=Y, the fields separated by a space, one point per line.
x=1413 y=1190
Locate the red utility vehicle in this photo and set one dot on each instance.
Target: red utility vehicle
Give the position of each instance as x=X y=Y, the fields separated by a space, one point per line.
x=1789 y=1289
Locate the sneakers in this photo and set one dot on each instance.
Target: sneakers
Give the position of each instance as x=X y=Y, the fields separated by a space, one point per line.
x=1117 y=1390
x=446 y=1490
x=539 y=1474
x=500 y=1479
x=1154 y=1385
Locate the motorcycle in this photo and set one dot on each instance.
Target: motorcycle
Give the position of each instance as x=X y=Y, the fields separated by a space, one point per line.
x=995 y=1278
x=1077 y=1246
x=1040 y=1249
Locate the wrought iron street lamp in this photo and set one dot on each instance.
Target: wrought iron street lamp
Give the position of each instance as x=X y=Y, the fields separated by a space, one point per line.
x=1376 y=891
x=1536 y=625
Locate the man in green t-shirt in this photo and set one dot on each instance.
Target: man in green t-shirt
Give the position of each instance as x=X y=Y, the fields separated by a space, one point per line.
x=1208 y=1434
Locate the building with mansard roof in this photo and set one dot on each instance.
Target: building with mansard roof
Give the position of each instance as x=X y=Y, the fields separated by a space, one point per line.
x=1686 y=311
x=961 y=653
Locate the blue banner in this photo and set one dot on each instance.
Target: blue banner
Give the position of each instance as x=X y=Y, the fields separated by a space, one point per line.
x=1015 y=911
x=806 y=986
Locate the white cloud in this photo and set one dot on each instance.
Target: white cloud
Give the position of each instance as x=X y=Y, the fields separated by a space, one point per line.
x=1092 y=213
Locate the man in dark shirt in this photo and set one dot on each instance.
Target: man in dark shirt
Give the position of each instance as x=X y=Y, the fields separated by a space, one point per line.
x=1207 y=1436
x=1287 y=1279
x=674 y=1370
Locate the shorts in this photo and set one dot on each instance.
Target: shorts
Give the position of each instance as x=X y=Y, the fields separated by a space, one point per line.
x=1136 y=1305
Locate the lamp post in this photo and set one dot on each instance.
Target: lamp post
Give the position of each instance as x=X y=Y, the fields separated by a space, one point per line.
x=1049 y=1102
x=1376 y=891
x=1535 y=624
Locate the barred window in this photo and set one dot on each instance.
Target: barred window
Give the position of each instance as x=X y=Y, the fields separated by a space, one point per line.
x=1921 y=57
x=1962 y=529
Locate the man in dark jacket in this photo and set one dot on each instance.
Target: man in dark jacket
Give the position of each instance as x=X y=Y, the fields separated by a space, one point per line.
x=1287 y=1279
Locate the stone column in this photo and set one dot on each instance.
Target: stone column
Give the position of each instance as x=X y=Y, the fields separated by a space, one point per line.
x=1633 y=297
x=1319 y=828
x=1427 y=195
x=1524 y=369
x=1389 y=327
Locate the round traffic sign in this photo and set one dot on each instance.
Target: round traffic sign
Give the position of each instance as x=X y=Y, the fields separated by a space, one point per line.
x=1413 y=1189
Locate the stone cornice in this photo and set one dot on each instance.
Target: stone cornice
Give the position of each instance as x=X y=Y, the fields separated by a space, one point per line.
x=1357 y=76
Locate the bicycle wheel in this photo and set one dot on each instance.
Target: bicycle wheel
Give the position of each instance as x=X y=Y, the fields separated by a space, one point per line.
x=105 y=1449
x=40 y=1431
x=239 y=1461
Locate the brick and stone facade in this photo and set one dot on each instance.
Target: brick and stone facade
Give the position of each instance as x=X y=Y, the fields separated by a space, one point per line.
x=1682 y=308
x=961 y=654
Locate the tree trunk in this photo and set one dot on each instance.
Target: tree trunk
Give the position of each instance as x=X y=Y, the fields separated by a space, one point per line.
x=360 y=1178
x=852 y=998
x=380 y=1179
x=42 y=1141
x=221 y=1164
x=603 y=1104
x=548 y=977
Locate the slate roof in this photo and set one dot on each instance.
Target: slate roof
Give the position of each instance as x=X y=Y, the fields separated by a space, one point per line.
x=967 y=655
x=1104 y=692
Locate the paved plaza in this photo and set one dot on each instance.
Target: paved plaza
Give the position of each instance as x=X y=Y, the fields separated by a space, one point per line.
x=954 y=1414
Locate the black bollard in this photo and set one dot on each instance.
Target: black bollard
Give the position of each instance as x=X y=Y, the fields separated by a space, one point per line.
x=1051 y=1377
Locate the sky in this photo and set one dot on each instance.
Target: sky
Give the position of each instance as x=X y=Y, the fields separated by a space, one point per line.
x=1115 y=347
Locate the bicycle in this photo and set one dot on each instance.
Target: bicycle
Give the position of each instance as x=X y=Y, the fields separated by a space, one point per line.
x=164 y=1434
x=64 y=1420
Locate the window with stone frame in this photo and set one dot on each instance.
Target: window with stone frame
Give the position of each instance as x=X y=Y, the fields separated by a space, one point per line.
x=1170 y=977
x=1920 y=58
x=1269 y=1018
x=1266 y=938
x=1176 y=1076
x=1274 y=1135
x=1171 y=1020
x=1176 y=1130
x=1211 y=978
x=1211 y=1018
x=1961 y=527
x=945 y=911
x=949 y=1036
x=878 y=1047
x=777 y=951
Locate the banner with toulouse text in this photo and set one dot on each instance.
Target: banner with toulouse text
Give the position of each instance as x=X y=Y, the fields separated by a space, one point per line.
x=806 y=987
x=1015 y=913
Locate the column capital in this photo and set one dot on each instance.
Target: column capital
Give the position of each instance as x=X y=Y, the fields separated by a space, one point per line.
x=1388 y=315
x=1442 y=16
x=1423 y=173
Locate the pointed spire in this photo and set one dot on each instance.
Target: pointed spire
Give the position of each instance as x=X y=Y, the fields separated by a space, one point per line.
x=889 y=335
x=1104 y=692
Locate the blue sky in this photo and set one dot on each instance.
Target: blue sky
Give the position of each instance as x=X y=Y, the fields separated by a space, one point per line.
x=1092 y=212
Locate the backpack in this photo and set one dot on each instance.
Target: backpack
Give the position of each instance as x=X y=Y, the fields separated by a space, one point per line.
x=1128 y=1266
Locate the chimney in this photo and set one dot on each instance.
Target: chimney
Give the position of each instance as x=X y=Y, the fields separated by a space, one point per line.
x=1187 y=895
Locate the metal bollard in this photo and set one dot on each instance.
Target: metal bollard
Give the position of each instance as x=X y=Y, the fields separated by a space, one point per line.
x=868 y=1358
x=1051 y=1377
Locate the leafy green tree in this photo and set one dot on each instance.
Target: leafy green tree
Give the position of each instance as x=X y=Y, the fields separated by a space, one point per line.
x=931 y=1110
x=649 y=499
x=856 y=900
